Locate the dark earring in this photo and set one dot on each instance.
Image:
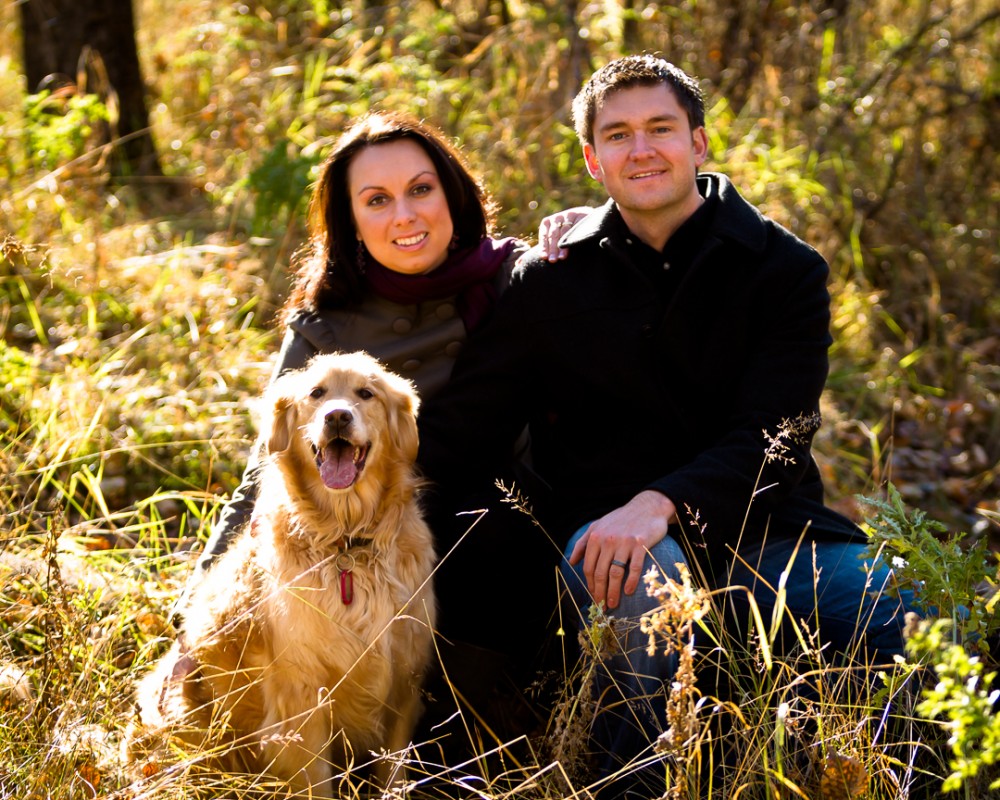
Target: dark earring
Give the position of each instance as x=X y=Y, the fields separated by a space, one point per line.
x=361 y=257
x=453 y=245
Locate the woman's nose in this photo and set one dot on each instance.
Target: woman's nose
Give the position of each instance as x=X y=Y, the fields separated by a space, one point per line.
x=404 y=212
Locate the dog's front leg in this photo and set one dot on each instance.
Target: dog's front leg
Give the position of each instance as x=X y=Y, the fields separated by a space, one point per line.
x=297 y=751
x=399 y=726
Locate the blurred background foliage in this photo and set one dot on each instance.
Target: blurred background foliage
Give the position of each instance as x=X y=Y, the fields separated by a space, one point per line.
x=136 y=314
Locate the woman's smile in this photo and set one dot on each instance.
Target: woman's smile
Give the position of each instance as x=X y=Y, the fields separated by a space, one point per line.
x=409 y=241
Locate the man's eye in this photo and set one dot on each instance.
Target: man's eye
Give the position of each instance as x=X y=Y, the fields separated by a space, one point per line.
x=317 y=393
x=365 y=394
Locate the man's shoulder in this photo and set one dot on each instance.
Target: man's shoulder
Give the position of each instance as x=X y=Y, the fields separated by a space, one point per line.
x=578 y=242
x=740 y=221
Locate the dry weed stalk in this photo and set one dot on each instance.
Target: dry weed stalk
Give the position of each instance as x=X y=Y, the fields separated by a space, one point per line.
x=794 y=430
x=681 y=605
x=574 y=714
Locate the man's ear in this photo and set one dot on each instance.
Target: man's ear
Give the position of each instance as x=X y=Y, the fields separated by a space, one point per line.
x=593 y=165
x=699 y=138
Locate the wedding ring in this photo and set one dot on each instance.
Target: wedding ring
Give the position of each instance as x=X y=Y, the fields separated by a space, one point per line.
x=617 y=563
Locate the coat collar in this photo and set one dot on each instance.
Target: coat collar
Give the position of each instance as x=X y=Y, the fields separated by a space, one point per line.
x=735 y=219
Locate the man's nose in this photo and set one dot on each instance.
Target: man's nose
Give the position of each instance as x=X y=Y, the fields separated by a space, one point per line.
x=641 y=146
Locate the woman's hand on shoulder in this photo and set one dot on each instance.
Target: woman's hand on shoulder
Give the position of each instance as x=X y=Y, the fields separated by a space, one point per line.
x=555 y=226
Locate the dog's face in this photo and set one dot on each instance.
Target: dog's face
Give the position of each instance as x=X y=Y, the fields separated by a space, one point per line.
x=345 y=413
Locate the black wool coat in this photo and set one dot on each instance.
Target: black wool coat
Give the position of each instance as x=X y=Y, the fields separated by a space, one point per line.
x=711 y=397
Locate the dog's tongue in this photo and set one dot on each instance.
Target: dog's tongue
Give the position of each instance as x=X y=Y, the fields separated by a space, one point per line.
x=337 y=469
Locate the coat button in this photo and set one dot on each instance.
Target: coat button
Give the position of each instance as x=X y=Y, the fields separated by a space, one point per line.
x=402 y=325
x=411 y=364
x=445 y=311
x=647 y=330
x=452 y=349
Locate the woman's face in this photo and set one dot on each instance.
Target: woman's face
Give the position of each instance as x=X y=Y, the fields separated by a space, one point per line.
x=399 y=206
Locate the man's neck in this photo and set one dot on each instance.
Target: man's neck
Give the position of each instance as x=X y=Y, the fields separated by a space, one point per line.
x=655 y=228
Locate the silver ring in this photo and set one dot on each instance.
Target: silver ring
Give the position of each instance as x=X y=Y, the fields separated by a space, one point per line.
x=616 y=563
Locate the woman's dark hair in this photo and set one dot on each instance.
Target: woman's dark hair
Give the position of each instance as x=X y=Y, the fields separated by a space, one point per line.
x=327 y=274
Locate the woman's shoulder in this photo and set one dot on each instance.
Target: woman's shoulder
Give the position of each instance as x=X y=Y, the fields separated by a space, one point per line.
x=518 y=247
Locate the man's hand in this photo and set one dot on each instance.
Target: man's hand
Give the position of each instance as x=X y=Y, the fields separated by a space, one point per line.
x=615 y=546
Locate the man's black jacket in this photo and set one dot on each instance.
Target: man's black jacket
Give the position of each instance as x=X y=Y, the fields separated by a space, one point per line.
x=710 y=396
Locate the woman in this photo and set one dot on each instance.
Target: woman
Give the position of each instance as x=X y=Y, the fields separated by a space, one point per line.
x=401 y=264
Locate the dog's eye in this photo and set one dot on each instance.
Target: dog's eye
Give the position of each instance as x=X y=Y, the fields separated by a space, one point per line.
x=317 y=393
x=365 y=394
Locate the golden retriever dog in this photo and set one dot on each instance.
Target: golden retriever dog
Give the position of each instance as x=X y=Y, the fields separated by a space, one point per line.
x=305 y=644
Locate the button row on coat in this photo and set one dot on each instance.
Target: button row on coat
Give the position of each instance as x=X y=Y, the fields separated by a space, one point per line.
x=442 y=312
x=451 y=350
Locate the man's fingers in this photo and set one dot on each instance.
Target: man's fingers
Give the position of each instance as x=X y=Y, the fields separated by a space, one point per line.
x=616 y=574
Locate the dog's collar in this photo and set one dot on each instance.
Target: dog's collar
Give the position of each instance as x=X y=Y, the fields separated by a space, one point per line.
x=345 y=562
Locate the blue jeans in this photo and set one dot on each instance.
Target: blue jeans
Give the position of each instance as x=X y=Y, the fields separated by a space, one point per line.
x=834 y=596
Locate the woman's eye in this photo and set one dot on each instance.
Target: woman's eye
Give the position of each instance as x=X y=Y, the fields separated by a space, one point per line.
x=421 y=189
x=317 y=393
x=365 y=394
x=377 y=200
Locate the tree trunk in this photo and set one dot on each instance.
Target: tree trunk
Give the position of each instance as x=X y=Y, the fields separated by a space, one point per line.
x=630 y=26
x=91 y=44
x=578 y=58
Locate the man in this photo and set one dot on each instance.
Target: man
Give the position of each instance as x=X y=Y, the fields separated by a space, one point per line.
x=670 y=371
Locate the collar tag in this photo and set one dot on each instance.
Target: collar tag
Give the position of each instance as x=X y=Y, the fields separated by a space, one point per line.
x=345 y=563
x=346 y=587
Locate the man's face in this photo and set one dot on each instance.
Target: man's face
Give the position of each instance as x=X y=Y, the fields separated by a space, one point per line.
x=647 y=156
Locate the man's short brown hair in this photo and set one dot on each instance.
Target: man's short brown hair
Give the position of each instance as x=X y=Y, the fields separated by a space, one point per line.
x=624 y=73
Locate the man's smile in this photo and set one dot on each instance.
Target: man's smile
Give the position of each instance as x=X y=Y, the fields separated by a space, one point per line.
x=648 y=174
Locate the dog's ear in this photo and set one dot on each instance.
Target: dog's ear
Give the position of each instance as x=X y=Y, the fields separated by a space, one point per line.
x=403 y=404
x=282 y=420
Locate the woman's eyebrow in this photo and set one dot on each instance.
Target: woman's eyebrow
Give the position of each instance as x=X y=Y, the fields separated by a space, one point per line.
x=414 y=179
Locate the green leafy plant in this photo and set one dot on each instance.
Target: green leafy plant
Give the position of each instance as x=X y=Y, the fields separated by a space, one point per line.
x=280 y=185
x=60 y=125
x=962 y=697
x=944 y=572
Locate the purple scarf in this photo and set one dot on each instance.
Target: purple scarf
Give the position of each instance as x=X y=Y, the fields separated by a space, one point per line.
x=466 y=273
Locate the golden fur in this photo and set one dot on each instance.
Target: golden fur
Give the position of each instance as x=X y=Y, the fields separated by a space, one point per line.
x=299 y=680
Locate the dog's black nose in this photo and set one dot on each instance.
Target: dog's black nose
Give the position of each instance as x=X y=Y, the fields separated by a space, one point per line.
x=339 y=418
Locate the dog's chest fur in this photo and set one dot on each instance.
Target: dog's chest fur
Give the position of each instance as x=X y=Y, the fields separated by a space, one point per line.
x=337 y=595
